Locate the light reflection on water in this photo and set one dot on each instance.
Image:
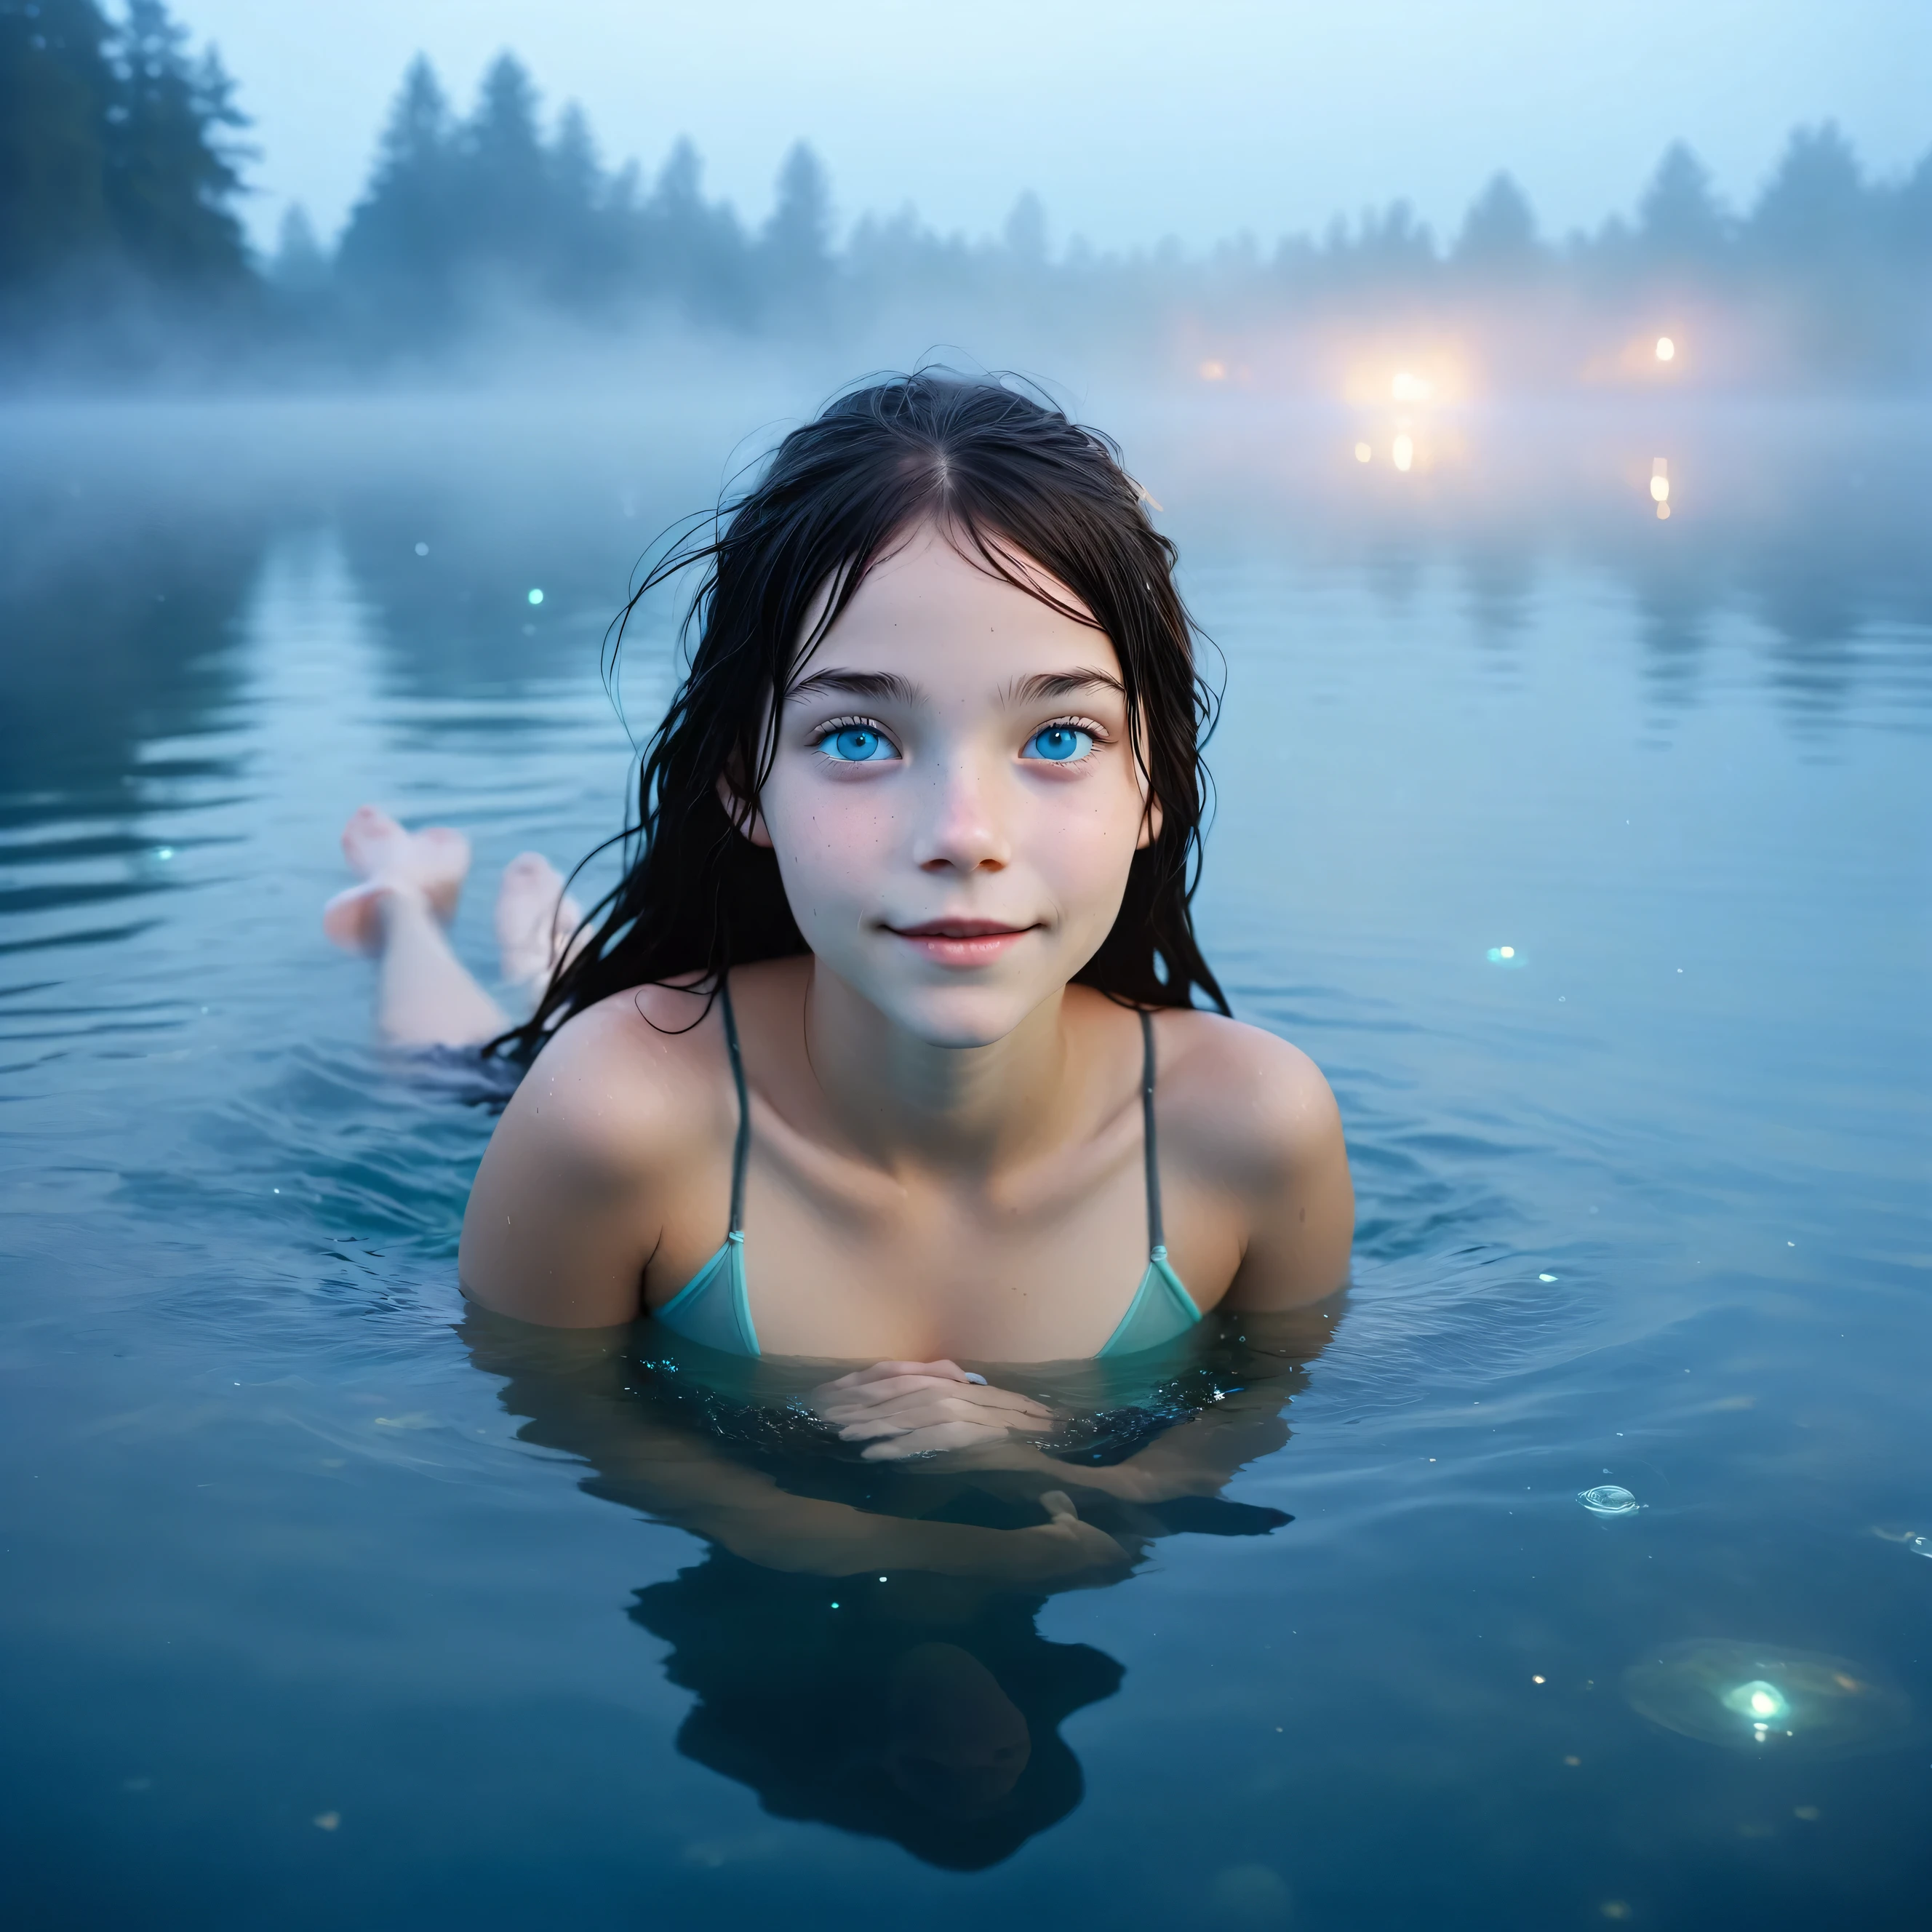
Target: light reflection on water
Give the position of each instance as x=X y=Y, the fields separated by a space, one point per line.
x=1644 y=1210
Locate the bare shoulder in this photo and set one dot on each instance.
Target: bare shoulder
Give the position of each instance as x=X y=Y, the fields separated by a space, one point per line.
x=622 y=1083
x=1246 y=1104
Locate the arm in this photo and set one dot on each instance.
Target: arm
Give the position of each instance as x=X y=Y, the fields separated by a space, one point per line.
x=568 y=1206
x=1258 y=1127
x=571 y=1387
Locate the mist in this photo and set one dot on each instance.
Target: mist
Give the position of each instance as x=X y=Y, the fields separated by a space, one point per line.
x=493 y=243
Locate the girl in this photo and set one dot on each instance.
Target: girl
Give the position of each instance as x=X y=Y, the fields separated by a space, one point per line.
x=885 y=1048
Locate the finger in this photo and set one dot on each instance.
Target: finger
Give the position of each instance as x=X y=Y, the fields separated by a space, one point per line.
x=880 y=1395
x=860 y=1379
x=927 y=1406
x=885 y=1397
x=924 y=1415
x=929 y=1441
x=868 y=1432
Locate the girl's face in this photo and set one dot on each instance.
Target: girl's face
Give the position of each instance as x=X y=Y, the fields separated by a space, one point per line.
x=954 y=805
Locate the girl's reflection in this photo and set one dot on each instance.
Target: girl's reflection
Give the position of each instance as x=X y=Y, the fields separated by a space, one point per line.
x=860 y=1637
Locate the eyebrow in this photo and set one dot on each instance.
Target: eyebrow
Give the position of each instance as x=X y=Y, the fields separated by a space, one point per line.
x=881 y=684
x=890 y=686
x=1061 y=684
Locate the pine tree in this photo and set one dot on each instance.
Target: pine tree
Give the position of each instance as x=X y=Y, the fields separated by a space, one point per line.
x=796 y=245
x=1815 y=208
x=398 y=249
x=1679 y=219
x=171 y=169
x=502 y=191
x=55 y=86
x=1498 y=236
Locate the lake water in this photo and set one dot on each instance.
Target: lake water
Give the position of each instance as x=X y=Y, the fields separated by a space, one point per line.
x=326 y=1607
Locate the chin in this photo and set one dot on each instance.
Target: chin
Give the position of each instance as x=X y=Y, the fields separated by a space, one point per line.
x=959 y=1016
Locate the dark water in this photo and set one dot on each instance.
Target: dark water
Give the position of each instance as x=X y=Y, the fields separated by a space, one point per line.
x=326 y=1607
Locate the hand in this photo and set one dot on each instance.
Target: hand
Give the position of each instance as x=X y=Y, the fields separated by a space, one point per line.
x=912 y=1408
x=1062 y=1546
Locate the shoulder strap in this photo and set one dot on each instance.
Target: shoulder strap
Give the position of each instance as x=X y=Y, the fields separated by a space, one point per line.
x=1156 y=1238
x=743 y=1147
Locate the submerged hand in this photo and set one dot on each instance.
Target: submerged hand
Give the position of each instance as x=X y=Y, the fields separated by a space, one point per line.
x=912 y=1408
x=1062 y=1546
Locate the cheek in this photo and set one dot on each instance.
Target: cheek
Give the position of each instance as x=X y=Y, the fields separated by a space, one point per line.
x=1085 y=842
x=830 y=839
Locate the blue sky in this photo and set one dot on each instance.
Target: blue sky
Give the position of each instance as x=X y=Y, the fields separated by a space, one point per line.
x=1131 y=120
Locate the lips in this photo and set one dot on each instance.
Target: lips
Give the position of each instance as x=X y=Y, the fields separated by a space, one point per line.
x=962 y=942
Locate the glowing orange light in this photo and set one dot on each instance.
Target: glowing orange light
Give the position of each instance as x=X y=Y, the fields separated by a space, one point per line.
x=1362 y=452
x=1662 y=513
x=1666 y=349
x=1212 y=371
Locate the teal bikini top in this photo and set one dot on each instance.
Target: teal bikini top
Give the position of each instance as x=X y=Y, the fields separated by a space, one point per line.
x=713 y=1308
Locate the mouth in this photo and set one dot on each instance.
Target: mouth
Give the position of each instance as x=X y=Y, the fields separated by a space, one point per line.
x=962 y=942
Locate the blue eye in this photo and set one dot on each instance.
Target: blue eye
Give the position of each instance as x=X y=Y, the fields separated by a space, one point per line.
x=856 y=744
x=1059 y=744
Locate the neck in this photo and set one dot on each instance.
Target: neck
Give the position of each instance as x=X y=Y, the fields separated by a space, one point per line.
x=896 y=1095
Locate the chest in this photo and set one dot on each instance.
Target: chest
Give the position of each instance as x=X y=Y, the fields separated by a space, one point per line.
x=1037 y=1264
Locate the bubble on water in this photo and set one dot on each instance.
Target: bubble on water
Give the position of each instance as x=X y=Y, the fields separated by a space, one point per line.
x=1758 y=1697
x=1608 y=1499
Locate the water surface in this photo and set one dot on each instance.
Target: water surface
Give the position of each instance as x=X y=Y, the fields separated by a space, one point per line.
x=330 y=1606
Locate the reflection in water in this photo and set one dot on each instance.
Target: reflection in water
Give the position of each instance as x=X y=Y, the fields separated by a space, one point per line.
x=860 y=1637
x=924 y=1709
x=1757 y=1697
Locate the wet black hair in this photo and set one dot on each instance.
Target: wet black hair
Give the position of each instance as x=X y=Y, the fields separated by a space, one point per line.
x=1011 y=480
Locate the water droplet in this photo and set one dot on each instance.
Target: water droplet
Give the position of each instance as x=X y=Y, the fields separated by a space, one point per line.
x=1607 y=1499
x=536 y=597
x=1754 y=1697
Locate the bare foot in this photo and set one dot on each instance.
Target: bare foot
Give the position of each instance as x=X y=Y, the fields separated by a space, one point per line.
x=432 y=864
x=535 y=920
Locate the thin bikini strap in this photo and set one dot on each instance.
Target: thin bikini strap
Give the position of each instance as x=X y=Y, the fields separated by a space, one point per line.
x=743 y=1147
x=1156 y=1239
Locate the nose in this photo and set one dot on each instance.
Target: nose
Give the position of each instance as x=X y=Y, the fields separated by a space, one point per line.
x=962 y=830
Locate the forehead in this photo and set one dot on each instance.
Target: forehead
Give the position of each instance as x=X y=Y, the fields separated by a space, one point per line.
x=948 y=622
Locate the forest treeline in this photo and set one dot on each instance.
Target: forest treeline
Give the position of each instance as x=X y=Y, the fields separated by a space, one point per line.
x=122 y=161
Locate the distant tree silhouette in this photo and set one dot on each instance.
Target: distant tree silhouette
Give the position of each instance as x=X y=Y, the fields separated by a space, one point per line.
x=298 y=268
x=1678 y=218
x=1498 y=236
x=115 y=147
x=171 y=163
x=1815 y=208
x=118 y=168
x=1025 y=231
x=55 y=88
x=691 y=251
x=796 y=246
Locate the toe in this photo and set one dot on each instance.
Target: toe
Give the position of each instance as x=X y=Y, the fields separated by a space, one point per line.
x=369 y=838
